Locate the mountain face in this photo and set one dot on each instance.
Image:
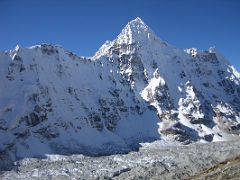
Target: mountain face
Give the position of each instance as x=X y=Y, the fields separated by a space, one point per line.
x=136 y=88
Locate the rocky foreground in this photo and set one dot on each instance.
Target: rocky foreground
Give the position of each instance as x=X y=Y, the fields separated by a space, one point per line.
x=220 y=160
x=229 y=169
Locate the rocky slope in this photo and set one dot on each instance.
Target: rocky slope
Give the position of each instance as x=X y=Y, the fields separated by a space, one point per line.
x=136 y=88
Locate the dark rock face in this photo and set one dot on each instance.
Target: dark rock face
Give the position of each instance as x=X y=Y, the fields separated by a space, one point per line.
x=47 y=133
x=96 y=122
x=209 y=137
x=33 y=119
x=48 y=49
x=181 y=133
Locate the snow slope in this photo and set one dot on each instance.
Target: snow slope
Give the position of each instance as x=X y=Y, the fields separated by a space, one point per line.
x=136 y=88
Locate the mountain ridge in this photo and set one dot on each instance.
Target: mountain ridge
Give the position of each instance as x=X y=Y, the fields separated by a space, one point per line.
x=136 y=88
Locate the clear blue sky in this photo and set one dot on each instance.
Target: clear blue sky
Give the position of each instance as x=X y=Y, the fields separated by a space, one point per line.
x=82 y=26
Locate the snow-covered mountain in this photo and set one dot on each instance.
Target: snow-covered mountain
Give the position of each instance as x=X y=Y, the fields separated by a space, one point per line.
x=136 y=88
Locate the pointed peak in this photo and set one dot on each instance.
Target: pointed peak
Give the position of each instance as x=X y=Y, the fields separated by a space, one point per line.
x=18 y=47
x=136 y=31
x=138 y=20
x=213 y=49
x=138 y=24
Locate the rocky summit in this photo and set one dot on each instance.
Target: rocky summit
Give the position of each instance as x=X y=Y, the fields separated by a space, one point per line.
x=135 y=89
